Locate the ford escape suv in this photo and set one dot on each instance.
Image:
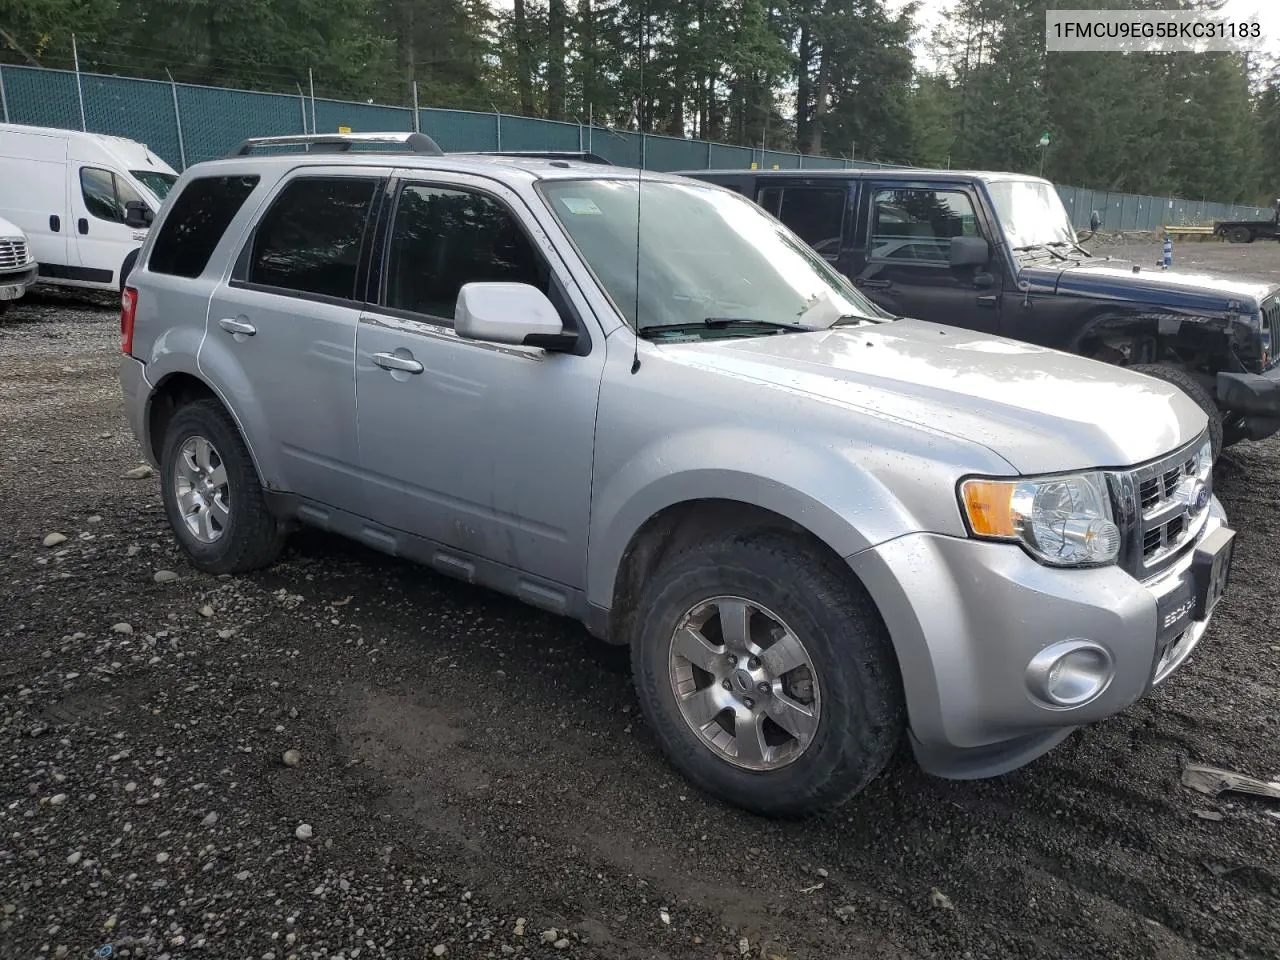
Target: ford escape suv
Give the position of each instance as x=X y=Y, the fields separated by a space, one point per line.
x=821 y=529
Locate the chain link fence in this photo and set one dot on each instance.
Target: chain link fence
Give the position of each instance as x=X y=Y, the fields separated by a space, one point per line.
x=187 y=124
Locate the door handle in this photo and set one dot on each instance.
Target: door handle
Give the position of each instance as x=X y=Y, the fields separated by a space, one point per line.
x=237 y=326
x=988 y=301
x=389 y=361
x=55 y=223
x=877 y=284
x=83 y=225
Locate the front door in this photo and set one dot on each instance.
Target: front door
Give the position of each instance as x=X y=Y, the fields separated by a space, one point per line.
x=286 y=323
x=907 y=268
x=102 y=238
x=486 y=449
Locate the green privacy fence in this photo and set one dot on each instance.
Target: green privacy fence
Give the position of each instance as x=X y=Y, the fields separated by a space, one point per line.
x=187 y=124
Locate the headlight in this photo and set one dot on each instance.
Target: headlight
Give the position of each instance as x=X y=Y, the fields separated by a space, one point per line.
x=1063 y=521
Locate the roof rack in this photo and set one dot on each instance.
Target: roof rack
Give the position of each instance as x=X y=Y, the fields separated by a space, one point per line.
x=583 y=155
x=343 y=142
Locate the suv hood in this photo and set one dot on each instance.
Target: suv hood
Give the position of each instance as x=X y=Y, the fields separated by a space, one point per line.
x=1201 y=292
x=1041 y=410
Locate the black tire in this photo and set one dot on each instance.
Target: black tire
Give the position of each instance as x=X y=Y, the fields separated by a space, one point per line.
x=1196 y=391
x=127 y=267
x=861 y=715
x=253 y=537
x=1240 y=235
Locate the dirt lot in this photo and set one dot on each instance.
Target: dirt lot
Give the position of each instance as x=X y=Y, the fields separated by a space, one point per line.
x=475 y=777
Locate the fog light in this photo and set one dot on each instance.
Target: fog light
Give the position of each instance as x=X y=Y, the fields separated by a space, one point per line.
x=1070 y=673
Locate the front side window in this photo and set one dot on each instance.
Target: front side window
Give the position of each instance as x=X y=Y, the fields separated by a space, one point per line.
x=309 y=240
x=199 y=217
x=444 y=237
x=99 y=190
x=916 y=224
x=705 y=255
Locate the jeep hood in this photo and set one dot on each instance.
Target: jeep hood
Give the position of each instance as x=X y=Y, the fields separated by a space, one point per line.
x=1041 y=410
x=1201 y=292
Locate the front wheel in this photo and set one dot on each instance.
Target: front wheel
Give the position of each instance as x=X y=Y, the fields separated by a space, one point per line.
x=212 y=494
x=767 y=674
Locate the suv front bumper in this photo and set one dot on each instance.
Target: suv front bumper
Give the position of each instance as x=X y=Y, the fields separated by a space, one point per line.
x=967 y=618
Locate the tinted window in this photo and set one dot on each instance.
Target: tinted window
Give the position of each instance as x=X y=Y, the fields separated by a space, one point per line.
x=444 y=238
x=99 y=190
x=919 y=224
x=309 y=240
x=196 y=222
x=815 y=214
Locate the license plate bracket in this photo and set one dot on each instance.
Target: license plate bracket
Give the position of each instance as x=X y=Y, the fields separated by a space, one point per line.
x=1211 y=571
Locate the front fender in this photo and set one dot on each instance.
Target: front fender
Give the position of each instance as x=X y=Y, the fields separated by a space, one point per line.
x=850 y=497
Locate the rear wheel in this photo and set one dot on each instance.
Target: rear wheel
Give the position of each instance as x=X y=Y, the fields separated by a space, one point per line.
x=1240 y=235
x=766 y=674
x=212 y=494
x=1196 y=391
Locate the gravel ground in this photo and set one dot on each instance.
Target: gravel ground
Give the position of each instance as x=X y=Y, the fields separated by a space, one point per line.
x=471 y=778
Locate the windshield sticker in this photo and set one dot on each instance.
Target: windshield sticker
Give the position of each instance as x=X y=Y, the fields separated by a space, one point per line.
x=581 y=206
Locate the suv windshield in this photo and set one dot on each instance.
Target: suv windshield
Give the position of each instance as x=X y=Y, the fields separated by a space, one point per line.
x=158 y=183
x=708 y=258
x=1031 y=213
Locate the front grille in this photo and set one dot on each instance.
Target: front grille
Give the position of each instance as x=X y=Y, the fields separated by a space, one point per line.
x=13 y=253
x=1152 y=504
x=1271 y=315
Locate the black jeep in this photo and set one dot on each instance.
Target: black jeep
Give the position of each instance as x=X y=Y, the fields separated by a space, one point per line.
x=996 y=252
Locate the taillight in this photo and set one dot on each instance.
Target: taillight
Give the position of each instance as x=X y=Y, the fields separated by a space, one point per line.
x=128 y=309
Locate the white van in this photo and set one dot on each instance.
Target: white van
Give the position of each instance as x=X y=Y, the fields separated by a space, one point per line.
x=17 y=264
x=84 y=200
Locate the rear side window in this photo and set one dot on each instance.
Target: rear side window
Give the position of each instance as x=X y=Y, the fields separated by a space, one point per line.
x=815 y=214
x=197 y=221
x=309 y=240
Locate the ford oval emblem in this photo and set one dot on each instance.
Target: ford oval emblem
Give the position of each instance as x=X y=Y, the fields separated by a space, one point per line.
x=1199 y=496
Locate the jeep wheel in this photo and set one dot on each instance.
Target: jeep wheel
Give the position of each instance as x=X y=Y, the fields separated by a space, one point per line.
x=766 y=674
x=1196 y=391
x=212 y=494
x=1240 y=235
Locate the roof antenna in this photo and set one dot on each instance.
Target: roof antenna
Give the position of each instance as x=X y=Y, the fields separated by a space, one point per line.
x=644 y=43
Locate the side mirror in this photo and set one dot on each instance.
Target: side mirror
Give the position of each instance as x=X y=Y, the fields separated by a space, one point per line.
x=1095 y=221
x=514 y=313
x=137 y=214
x=970 y=252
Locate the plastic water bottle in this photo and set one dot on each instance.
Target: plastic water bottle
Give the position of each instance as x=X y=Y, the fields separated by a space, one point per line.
x=1167 y=262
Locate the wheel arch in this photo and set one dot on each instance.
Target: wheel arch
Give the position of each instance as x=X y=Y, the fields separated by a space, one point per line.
x=176 y=389
x=683 y=523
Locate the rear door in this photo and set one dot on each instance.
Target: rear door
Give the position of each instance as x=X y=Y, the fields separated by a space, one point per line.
x=285 y=323
x=816 y=209
x=102 y=238
x=907 y=231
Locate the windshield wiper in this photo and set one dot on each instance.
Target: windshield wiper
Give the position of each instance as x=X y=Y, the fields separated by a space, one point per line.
x=1068 y=243
x=857 y=320
x=718 y=323
x=1043 y=246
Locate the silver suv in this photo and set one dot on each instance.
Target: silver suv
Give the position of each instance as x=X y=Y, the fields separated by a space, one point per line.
x=816 y=526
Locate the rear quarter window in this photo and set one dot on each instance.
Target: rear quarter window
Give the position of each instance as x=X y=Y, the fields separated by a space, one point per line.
x=199 y=217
